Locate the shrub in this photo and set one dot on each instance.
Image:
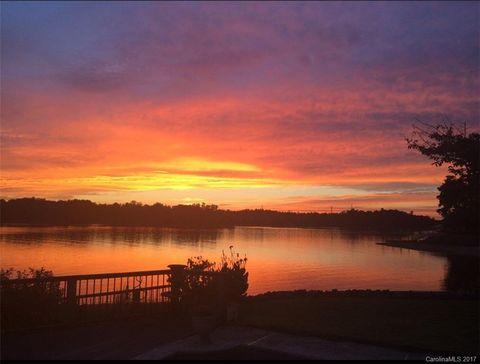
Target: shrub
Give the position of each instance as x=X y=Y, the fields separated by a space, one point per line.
x=28 y=303
x=236 y=275
x=204 y=280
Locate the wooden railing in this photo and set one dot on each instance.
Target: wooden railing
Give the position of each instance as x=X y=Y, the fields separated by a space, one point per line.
x=106 y=288
x=54 y=300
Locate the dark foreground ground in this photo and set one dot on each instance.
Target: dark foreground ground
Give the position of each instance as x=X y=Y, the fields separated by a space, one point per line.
x=102 y=340
x=238 y=353
x=432 y=323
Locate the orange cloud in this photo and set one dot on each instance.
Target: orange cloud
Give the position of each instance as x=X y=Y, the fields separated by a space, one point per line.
x=235 y=110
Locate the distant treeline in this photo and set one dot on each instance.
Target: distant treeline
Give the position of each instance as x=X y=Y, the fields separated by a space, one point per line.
x=35 y=211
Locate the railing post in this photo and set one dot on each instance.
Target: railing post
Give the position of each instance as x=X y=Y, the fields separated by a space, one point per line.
x=71 y=308
x=72 y=292
x=177 y=279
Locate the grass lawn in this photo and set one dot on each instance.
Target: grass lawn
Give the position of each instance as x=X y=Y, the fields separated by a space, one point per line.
x=428 y=324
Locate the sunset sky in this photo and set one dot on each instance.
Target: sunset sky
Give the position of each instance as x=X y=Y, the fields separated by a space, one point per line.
x=290 y=105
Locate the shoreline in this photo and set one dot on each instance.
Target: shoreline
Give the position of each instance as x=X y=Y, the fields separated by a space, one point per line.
x=362 y=293
x=462 y=250
x=347 y=229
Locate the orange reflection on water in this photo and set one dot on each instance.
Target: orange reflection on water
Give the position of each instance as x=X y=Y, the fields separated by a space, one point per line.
x=278 y=259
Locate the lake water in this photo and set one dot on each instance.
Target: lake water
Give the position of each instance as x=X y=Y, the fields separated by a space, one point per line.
x=278 y=258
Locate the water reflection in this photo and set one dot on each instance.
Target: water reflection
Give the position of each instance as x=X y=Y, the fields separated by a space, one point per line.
x=278 y=259
x=121 y=235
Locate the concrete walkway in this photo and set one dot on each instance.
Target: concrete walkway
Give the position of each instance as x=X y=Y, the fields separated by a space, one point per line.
x=244 y=339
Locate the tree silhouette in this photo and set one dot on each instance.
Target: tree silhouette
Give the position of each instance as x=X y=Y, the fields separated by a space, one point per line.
x=459 y=192
x=35 y=211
